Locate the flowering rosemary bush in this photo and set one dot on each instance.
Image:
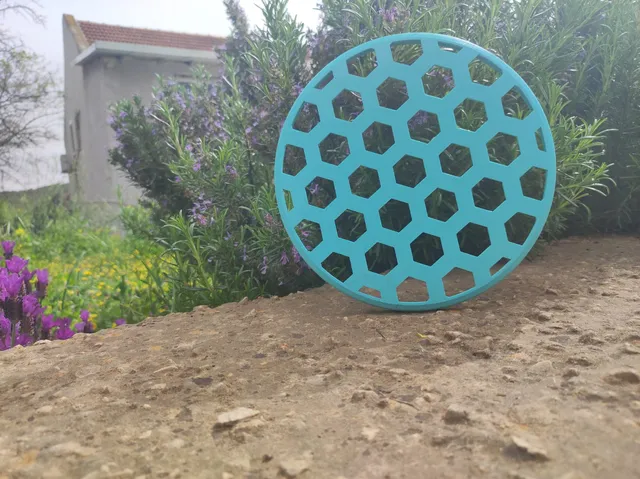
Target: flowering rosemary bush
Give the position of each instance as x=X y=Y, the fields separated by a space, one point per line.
x=204 y=154
x=22 y=315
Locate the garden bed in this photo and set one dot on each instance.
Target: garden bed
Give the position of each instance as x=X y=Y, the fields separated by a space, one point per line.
x=536 y=378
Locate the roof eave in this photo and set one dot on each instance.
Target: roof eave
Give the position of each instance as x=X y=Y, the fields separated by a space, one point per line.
x=99 y=48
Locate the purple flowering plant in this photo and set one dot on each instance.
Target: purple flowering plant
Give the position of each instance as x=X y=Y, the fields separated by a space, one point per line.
x=22 y=315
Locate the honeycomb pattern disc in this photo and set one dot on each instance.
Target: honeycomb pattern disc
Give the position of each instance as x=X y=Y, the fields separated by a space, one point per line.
x=403 y=148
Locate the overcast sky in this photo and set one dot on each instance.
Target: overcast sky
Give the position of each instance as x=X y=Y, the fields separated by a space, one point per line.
x=190 y=16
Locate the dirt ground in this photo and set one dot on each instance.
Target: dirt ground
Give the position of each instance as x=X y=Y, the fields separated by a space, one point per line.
x=538 y=378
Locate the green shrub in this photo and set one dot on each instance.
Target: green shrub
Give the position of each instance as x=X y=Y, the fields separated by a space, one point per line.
x=204 y=155
x=90 y=267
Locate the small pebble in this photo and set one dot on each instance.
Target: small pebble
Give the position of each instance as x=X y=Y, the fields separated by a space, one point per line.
x=456 y=414
x=623 y=376
x=529 y=445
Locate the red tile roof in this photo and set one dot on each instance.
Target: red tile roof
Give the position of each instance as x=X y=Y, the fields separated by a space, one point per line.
x=141 y=36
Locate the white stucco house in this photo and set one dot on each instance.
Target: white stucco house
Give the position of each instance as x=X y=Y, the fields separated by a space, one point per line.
x=102 y=65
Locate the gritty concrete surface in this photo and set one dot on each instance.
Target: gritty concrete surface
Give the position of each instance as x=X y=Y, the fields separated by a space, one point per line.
x=538 y=378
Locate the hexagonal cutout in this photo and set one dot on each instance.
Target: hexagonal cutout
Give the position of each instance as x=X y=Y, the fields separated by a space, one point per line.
x=288 y=200
x=498 y=266
x=449 y=47
x=378 y=138
x=515 y=105
x=438 y=81
x=503 y=149
x=540 y=140
x=324 y=81
x=347 y=105
x=474 y=239
x=424 y=126
x=294 y=160
x=381 y=258
x=370 y=292
x=363 y=63
x=441 y=205
x=334 y=149
x=307 y=118
x=488 y=194
x=455 y=160
x=321 y=192
x=427 y=249
x=309 y=233
x=519 y=228
x=483 y=72
x=412 y=290
x=409 y=171
x=351 y=225
x=338 y=266
x=470 y=115
x=392 y=93
x=406 y=52
x=364 y=182
x=533 y=183
x=458 y=281
x=395 y=215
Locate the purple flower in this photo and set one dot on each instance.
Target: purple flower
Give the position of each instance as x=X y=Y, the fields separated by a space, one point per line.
x=79 y=327
x=178 y=179
x=263 y=266
x=297 y=89
x=47 y=323
x=31 y=306
x=84 y=315
x=111 y=120
x=180 y=100
x=295 y=254
x=27 y=275
x=448 y=81
x=42 y=276
x=189 y=147
x=389 y=15
x=123 y=114
x=63 y=331
x=121 y=321
x=419 y=119
x=284 y=259
x=5 y=326
x=11 y=286
x=231 y=171
x=197 y=166
x=7 y=247
x=16 y=264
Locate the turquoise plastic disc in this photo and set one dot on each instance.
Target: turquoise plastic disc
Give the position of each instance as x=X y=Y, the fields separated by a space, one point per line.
x=456 y=128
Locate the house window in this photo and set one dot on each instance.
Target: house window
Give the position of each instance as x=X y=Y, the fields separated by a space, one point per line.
x=72 y=138
x=77 y=131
